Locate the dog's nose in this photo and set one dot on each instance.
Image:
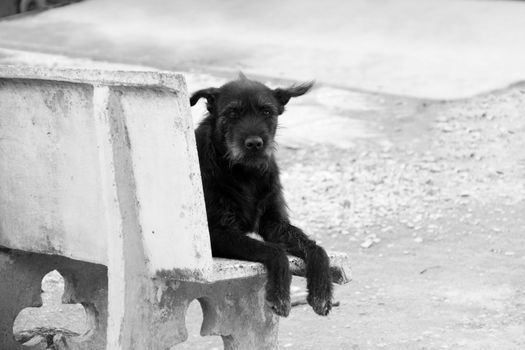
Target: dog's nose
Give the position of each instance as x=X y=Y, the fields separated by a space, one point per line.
x=253 y=142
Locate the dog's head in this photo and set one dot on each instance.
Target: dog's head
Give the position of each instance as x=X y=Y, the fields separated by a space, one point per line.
x=245 y=114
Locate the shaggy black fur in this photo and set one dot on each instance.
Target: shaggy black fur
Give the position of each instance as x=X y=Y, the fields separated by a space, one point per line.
x=243 y=192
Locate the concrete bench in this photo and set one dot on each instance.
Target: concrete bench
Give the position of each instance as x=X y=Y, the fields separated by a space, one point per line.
x=99 y=179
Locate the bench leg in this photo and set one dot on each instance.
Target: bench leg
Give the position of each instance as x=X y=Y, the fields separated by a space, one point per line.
x=233 y=309
x=246 y=320
x=236 y=310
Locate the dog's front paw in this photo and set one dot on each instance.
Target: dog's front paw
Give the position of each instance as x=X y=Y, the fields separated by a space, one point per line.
x=319 y=282
x=279 y=302
x=321 y=305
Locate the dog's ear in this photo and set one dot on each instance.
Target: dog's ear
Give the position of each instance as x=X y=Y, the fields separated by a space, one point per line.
x=242 y=76
x=210 y=94
x=284 y=95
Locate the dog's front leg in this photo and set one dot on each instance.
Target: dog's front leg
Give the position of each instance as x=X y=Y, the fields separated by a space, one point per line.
x=296 y=242
x=239 y=246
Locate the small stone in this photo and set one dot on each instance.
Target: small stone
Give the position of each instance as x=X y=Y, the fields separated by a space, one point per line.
x=367 y=243
x=418 y=239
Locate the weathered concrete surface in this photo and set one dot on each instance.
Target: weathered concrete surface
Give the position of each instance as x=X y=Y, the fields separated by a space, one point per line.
x=430 y=49
x=235 y=309
x=227 y=269
x=81 y=152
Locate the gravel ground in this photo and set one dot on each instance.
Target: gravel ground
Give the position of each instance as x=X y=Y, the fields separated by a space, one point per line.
x=432 y=216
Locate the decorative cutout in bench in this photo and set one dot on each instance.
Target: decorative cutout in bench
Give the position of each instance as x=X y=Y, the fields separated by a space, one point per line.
x=54 y=323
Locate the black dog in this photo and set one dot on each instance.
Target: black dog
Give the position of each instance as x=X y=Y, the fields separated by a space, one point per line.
x=243 y=192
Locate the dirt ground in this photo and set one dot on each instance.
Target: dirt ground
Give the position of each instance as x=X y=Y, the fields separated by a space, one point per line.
x=430 y=210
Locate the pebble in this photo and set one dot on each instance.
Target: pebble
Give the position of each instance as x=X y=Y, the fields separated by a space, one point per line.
x=370 y=240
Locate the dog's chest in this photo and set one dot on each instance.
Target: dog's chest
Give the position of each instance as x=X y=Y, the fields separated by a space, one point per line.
x=254 y=199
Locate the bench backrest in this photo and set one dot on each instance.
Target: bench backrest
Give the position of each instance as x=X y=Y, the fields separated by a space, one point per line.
x=86 y=156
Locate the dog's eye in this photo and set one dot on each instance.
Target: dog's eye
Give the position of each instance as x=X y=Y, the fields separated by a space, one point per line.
x=232 y=114
x=267 y=112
